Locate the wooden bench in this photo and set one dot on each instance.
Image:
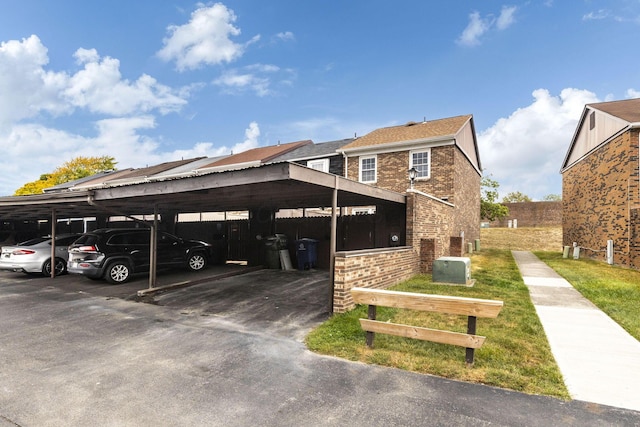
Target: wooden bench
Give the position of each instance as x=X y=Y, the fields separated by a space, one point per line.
x=471 y=307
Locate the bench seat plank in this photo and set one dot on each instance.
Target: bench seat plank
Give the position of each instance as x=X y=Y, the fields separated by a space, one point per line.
x=427 y=302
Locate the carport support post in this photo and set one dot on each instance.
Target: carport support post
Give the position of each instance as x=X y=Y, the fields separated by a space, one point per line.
x=333 y=241
x=54 y=220
x=153 y=245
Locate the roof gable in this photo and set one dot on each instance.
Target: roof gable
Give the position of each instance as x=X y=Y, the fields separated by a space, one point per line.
x=458 y=130
x=598 y=124
x=627 y=110
x=412 y=131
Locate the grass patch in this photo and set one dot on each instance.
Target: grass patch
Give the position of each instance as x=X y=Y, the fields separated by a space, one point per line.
x=615 y=290
x=515 y=355
x=522 y=239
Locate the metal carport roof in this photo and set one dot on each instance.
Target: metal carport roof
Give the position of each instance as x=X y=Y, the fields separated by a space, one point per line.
x=275 y=186
x=278 y=185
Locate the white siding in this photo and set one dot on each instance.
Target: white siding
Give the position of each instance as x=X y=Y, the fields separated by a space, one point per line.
x=587 y=139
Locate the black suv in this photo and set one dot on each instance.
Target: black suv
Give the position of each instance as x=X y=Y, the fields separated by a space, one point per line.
x=115 y=254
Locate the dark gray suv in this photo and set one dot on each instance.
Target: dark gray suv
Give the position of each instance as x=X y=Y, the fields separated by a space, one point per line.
x=115 y=254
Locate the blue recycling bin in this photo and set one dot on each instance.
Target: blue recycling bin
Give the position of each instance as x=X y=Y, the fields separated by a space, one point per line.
x=307 y=253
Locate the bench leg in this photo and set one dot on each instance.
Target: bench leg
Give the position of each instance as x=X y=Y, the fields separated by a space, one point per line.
x=372 y=316
x=471 y=329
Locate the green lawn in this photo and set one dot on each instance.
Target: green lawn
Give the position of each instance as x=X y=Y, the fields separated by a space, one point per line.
x=615 y=290
x=515 y=355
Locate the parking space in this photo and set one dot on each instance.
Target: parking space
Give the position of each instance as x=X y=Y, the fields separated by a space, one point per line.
x=287 y=303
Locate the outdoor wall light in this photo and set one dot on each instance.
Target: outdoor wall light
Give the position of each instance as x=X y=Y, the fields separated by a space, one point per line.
x=413 y=174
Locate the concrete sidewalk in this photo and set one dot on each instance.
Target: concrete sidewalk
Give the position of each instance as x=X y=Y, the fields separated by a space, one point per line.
x=599 y=360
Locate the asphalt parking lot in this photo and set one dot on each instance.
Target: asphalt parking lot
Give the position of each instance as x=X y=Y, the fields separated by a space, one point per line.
x=225 y=351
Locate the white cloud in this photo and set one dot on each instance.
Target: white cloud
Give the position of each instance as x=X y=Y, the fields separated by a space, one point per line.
x=285 y=36
x=478 y=26
x=121 y=111
x=474 y=30
x=204 y=40
x=597 y=15
x=27 y=88
x=31 y=150
x=252 y=134
x=524 y=152
x=100 y=88
x=632 y=93
x=257 y=78
x=506 y=18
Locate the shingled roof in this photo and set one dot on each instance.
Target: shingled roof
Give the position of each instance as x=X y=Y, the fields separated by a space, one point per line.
x=412 y=131
x=628 y=109
x=260 y=154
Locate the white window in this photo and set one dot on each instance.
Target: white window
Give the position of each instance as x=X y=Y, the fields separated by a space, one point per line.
x=368 y=169
x=320 y=164
x=421 y=160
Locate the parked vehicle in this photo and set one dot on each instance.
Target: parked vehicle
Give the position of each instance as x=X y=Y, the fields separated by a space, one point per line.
x=115 y=254
x=34 y=256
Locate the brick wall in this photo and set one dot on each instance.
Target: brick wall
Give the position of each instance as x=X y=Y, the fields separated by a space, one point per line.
x=429 y=222
x=532 y=214
x=429 y=218
x=466 y=198
x=374 y=268
x=634 y=235
x=393 y=172
x=598 y=194
x=453 y=178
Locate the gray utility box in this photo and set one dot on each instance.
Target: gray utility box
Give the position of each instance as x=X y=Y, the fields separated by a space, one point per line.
x=451 y=269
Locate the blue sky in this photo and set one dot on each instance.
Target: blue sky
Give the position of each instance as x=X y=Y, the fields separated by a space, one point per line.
x=147 y=81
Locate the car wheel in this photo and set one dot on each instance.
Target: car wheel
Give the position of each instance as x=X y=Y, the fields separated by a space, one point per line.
x=60 y=266
x=197 y=261
x=118 y=272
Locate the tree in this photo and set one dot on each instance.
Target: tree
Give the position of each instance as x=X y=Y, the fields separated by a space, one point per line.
x=79 y=167
x=552 y=198
x=516 y=197
x=490 y=209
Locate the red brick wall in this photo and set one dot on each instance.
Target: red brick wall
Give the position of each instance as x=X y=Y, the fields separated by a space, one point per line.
x=452 y=178
x=429 y=218
x=466 y=199
x=532 y=214
x=598 y=194
x=374 y=268
x=429 y=222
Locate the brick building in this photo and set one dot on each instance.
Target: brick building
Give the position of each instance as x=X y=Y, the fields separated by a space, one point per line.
x=600 y=187
x=445 y=155
x=408 y=226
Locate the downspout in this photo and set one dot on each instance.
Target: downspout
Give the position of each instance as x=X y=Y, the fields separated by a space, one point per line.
x=346 y=164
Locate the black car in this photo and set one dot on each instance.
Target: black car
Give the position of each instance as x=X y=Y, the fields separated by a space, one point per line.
x=115 y=254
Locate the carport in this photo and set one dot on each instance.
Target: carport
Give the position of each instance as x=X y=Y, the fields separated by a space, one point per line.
x=261 y=190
